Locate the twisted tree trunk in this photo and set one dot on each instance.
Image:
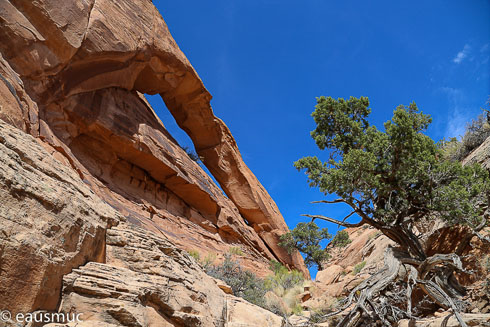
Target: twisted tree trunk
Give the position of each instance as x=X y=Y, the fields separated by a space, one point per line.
x=407 y=265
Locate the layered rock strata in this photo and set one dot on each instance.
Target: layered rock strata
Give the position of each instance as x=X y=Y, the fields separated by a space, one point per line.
x=74 y=75
x=81 y=151
x=50 y=222
x=147 y=281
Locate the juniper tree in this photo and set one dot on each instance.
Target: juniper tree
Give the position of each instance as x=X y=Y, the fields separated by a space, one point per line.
x=394 y=179
x=306 y=238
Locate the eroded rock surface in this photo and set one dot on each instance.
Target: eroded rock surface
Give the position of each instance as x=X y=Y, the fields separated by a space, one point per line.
x=50 y=222
x=84 y=72
x=147 y=281
x=341 y=275
x=81 y=150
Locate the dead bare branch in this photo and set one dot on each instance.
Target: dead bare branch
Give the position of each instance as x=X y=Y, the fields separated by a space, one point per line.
x=335 y=221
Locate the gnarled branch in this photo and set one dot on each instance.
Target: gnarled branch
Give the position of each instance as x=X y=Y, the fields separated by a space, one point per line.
x=335 y=221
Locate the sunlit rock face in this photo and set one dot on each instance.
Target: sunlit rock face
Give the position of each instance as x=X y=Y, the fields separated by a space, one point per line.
x=82 y=151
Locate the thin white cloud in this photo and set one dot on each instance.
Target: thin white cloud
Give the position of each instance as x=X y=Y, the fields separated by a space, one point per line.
x=456 y=124
x=462 y=54
x=458 y=116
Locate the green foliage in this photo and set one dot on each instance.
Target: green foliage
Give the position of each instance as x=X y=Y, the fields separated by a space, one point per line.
x=297 y=309
x=282 y=277
x=477 y=131
x=243 y=283
x=285 y=284
x=275 y=266
x=208 y=260
x=341 y=239
x=235 y=250
x=358 y=267
x=191 y=153
x=306 y=238
x=195 y=254
x=392 y=175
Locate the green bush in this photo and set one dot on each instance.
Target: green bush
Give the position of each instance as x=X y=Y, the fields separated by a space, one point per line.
x=235 y=250
x=341 y=239
x=283 y=277
x=306 y=238
x=285 y=284
x=243 y=283
x=358 y=267
x=477 y=131
x=195 y=254
x=208 y=260
x=297 y=309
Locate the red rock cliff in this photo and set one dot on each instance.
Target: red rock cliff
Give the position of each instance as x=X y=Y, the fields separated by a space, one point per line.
x=73 y=75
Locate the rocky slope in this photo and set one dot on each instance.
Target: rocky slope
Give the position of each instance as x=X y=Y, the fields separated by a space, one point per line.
x=82 y=151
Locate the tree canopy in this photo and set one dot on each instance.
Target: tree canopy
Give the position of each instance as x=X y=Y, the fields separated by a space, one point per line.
x=306 y=238
x=394 y=179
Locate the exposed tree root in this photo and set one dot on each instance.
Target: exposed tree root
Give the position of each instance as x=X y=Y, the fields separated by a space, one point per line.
x=406 y=267
x=376 y=305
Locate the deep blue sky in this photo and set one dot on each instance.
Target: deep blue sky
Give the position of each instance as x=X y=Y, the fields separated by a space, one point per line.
x=265 y=61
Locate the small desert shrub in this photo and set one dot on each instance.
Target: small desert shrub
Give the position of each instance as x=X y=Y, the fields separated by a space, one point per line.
x=341 y=239
x=195 y=254
x=358 y=267
x=284 y=284
x=289 y=300
x=297 y=309
x=287 y=286
x=275 y=304
x=477 y=131
x=283 y=277
x=243 y=283
x=208 y=260
x=235 y=250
